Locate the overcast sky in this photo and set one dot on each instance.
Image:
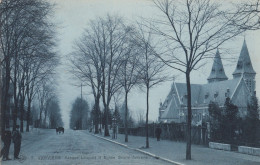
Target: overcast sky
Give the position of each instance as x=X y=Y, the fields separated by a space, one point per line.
x=73 y=16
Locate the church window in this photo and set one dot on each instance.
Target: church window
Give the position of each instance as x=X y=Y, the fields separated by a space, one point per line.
x=248 y=63
x=213 y=70
x=221 y=70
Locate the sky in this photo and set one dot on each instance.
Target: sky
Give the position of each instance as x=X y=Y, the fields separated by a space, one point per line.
x=72 y=16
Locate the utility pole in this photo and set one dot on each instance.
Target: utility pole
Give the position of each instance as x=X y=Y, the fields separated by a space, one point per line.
x=81 y=107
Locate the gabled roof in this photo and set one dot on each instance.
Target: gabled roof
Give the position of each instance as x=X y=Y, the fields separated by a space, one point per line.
x=202 y=94
x=169 y=112
x=218 y=91
x=244 y=64
x=182 y=90
x=217 y=71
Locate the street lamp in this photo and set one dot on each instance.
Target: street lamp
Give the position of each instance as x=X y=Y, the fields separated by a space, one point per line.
x=114 y=128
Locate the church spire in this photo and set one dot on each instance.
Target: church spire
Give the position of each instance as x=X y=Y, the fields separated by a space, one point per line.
x=217 y=71
x=244 y=65
x=245 y=69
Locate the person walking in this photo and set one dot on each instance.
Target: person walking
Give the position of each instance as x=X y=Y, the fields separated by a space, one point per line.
x=6 y=138
x=158 y=132
x=17 y=139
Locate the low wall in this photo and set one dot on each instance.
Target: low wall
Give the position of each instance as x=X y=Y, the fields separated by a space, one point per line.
x=220 y=146
x=249 y=150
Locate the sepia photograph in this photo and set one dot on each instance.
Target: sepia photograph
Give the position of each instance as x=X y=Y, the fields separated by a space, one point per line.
x=130 y=82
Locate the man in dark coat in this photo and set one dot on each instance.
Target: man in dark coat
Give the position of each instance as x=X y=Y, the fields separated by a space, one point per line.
x=17 y=139
x=6 y=138
x=158 y=132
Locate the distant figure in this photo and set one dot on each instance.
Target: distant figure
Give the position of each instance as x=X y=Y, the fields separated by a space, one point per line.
x=6 y=138
x=17 y=139
x=158 y=132
x=59 y=130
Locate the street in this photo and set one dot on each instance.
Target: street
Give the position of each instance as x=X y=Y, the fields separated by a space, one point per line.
x=74 y=147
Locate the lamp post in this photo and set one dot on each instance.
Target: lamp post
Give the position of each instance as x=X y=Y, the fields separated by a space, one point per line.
x=114 y=128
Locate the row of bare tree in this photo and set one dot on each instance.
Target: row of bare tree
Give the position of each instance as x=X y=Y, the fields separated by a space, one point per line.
x=112 y=55
x=28 y=58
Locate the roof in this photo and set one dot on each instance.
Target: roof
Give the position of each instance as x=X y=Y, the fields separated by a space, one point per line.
x=202 y=94
x=168 y=112
x=218 y=91
x=244 y=64
x=182 y=90
x=217 y=71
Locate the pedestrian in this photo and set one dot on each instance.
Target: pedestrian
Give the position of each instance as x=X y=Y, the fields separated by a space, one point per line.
x=158 y=132
x=6 y=138
x=17 y=139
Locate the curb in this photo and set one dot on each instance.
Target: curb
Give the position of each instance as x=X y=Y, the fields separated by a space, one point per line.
x=110 y=140
x=158 y=157
x=144 y=152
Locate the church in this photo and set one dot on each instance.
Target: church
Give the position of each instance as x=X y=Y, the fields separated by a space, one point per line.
x=219 y=87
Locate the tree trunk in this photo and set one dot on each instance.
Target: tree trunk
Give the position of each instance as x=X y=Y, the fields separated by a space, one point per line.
x=126 y=122
x=40 y=119
x=21 y=117
x=106 y=121
x=188 y=137
x=5 y=97
x=1 y=95
x=147 y=112
x=96 y=121
x=28 y=116
x=45 y=116
x=21 y=121
x=15 y=111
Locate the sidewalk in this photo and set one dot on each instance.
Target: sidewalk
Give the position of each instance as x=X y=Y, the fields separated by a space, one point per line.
x=175 y=151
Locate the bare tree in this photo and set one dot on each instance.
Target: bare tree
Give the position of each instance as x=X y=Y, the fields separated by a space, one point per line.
x=97 y=59
x=86 y=63
x=38 y=70
x=114 y=34
x=24 y=26
x=195 y=28
x=151 y=69
x=54 y=114
x=45 y=93
x=129 y=71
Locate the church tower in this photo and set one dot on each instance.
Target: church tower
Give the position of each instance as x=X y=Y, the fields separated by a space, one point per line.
x=245 y=69
x=217 y=71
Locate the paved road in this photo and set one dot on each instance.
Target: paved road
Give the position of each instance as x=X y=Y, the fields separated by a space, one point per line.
x=76 y=147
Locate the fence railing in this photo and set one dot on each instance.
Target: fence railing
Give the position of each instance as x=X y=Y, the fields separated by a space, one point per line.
x=172 y=131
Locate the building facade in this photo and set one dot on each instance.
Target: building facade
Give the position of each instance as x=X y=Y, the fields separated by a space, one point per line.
x=239 y=89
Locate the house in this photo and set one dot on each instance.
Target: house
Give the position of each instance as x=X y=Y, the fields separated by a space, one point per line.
x=219 y=87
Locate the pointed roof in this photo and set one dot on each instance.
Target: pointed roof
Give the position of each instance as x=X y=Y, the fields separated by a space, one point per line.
x=217 y=71
x=244 y=64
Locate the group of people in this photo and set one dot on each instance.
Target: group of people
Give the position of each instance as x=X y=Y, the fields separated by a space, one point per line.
x=6 y=137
